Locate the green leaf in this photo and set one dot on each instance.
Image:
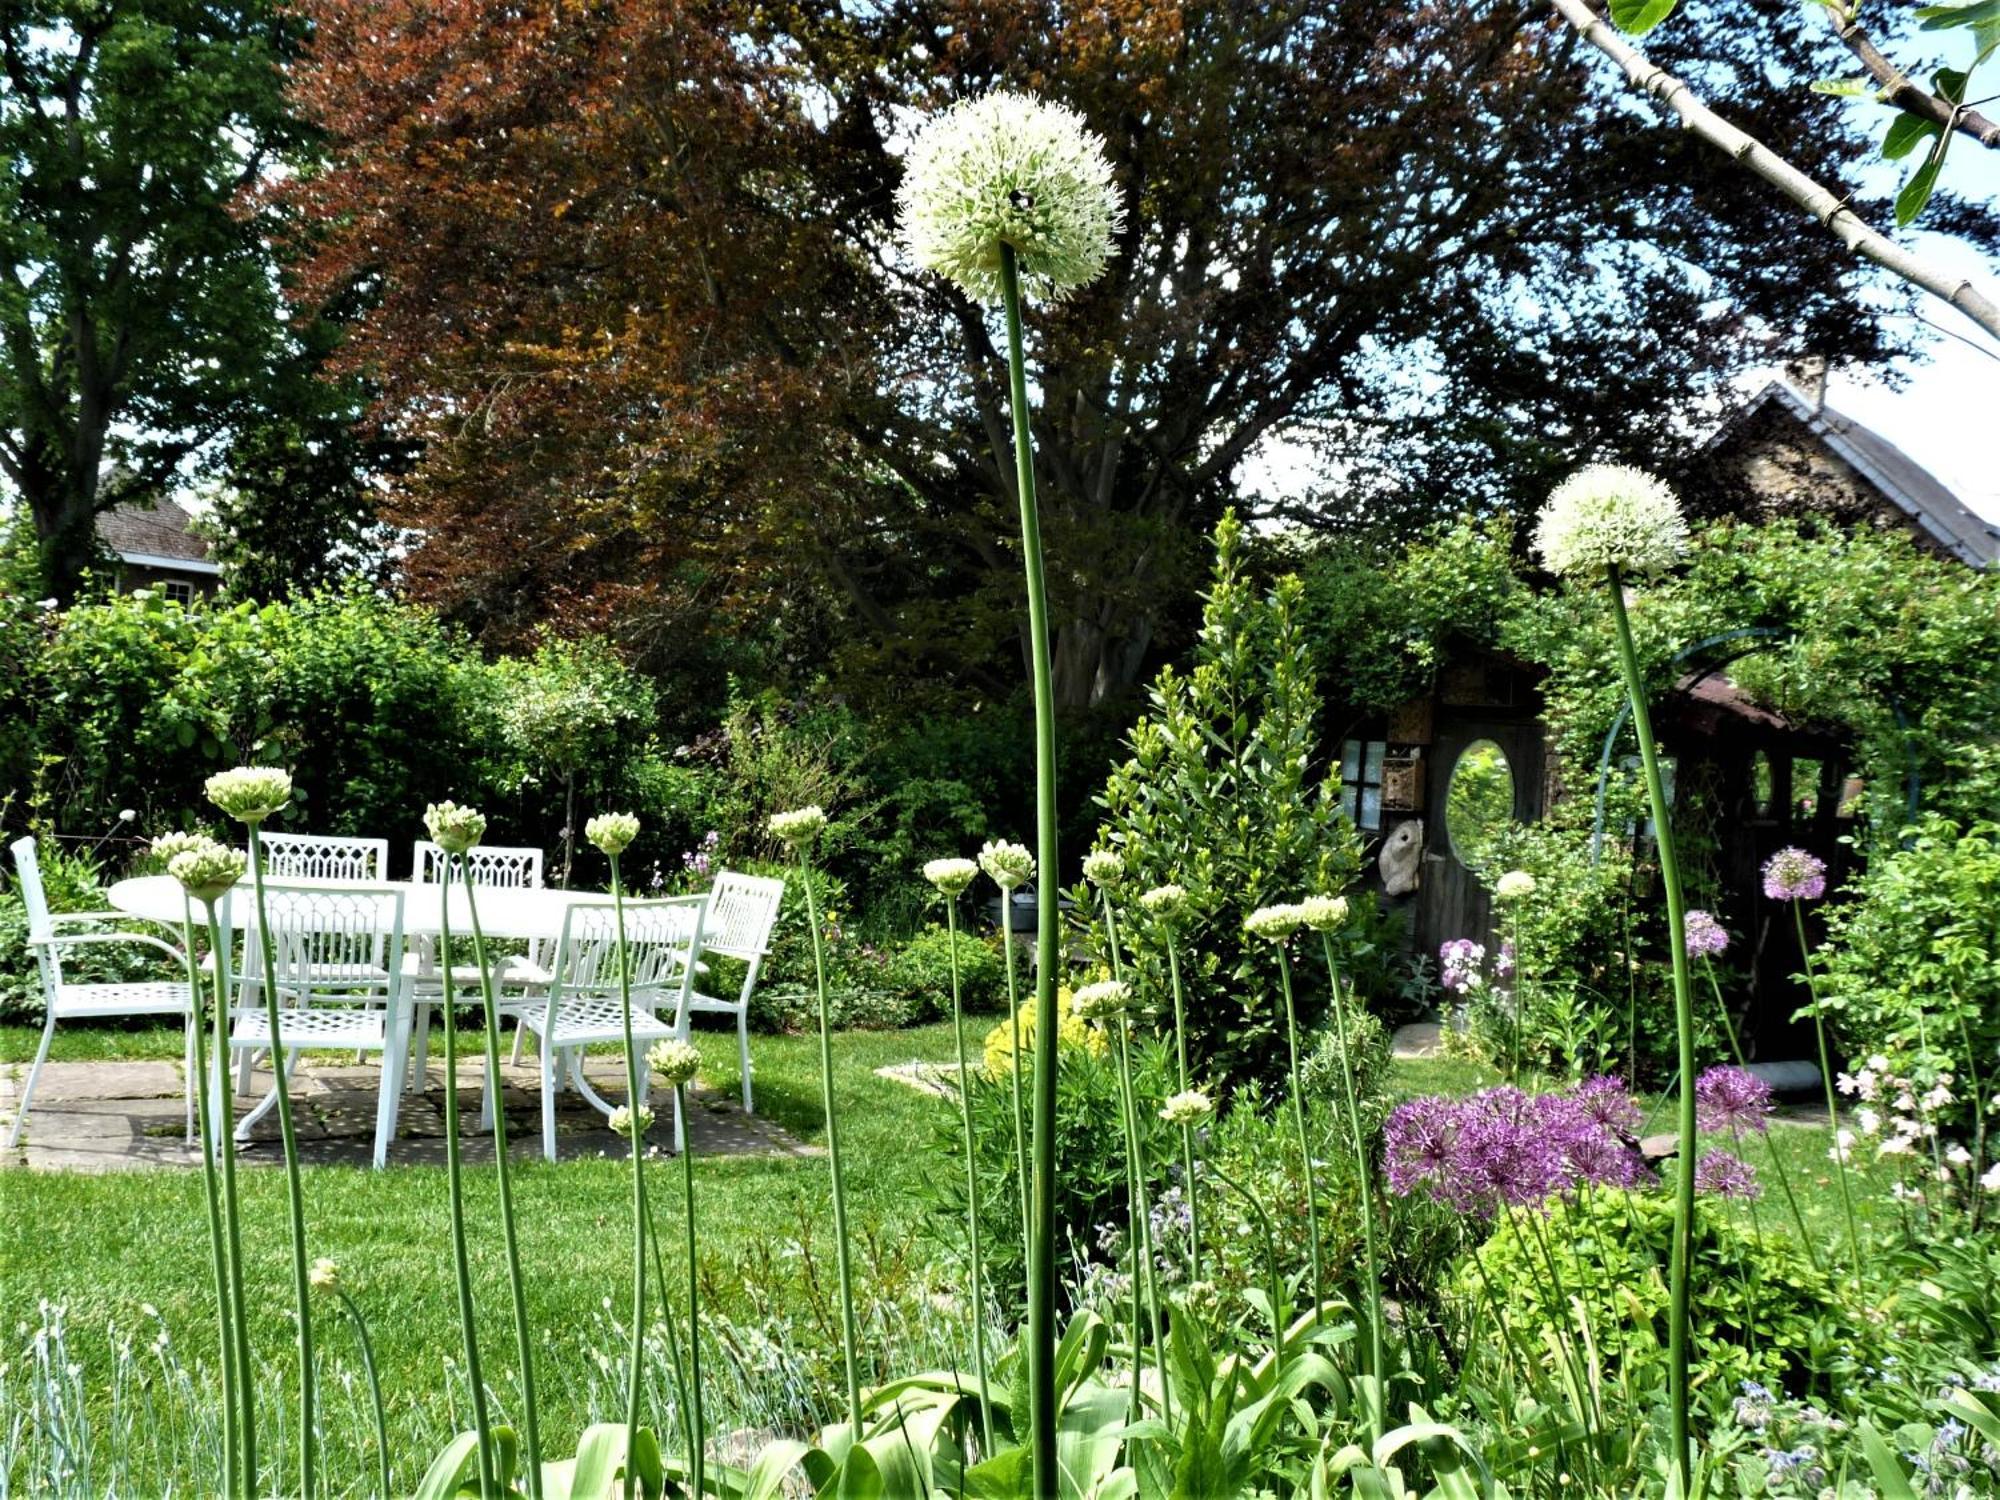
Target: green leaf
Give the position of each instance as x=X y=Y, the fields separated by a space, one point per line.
x=1637 y=17
x=1917 y=191
x=1882 y=1459
x=1945 y=17
x=1905 y=133
x=1950 y=84
x=452 y=1470
x=766 y=1480
x=1846 y=88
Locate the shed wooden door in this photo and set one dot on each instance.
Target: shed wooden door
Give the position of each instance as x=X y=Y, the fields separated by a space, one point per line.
x=1451 y=902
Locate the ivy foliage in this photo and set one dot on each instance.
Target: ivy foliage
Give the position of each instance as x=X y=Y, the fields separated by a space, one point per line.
x=1224 y=793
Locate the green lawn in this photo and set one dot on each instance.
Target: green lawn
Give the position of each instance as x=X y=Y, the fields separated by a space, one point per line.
x=109 y=1247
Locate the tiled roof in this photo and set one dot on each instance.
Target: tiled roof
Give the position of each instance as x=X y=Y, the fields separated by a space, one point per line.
x=151 y=527
x=1897 y=477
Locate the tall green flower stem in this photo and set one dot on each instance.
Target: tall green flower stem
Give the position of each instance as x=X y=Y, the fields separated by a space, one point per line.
x=1145 y=1291
x=1014 y=1078
x=1042 y=1262
x=971 y=1186
x=635 y=1367
x=696 y=1450
x=1682 y=1253
x=295 y=1201
x=1770 y=1141
x=207 y=1107
x=374 y=1387
x=1274 y=1283
x=454 y=1180
x=246 y=1385
x=1187 y=1131
x=1299 y=1123
x=523 y=1337
x=1826 y=1081
x=843 y=1258
x=1364 y=1170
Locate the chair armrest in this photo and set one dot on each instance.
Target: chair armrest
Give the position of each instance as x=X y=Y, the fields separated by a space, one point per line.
x=56 y=919
x=104 y=939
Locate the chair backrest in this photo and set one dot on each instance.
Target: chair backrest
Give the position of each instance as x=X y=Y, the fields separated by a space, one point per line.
x=323 y=856
x=660 y=939
x=332 y=944
x=492 y=865
x=742 y=914
x=28 y=870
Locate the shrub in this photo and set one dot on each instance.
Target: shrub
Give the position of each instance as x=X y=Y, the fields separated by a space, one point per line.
x=1220 y=795
x=1764 y=1313
x=921 y=968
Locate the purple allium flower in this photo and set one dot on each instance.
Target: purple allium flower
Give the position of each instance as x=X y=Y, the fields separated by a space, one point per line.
x=1605 y=1100
x=1731 y=1099
x=1726 y=1176
x=1794 y=875
x=1597 y=1158
x=1420 y=1145
x=1704 y=934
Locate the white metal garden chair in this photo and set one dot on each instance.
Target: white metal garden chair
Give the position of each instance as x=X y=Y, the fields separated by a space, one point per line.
x=336 y=964
x=742 y=914
x=508 y=867
x=65 y=1000
x=581 y=1007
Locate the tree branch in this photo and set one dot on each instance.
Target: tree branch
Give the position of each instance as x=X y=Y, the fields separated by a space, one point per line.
x=1841 y=221
x=1899 y=89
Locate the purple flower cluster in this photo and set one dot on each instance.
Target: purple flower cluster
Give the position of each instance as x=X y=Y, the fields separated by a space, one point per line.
x=1503 y=966
x=1459 y=963
x=1794 y=875
x=1505 y=1148
x=1725 y=1175
x=696 y=861
x=1704 y=935
x=1732 y=1100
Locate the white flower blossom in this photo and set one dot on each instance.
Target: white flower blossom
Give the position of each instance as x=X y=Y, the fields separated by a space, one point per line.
x=1009 y=865
x=1611 y=516
x=674 y=1060
x=1100 y=1001
x=1323 y=913
x=800 y=826
x=951 y=876
x=250 y=794
x=1514 y=885
x=1008 y=169
x=612 y=832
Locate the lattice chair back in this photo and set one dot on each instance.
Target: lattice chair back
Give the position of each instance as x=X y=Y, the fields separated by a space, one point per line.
x=334 y=945
x=742 y=913
x=323 y=856
x=492 y=865
x=660 y=937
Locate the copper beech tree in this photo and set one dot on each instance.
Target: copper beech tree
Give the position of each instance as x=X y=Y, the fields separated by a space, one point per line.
x=630 y=283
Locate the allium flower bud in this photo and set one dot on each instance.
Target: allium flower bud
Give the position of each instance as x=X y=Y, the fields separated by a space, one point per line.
x=1100 y=1001
x=674 y=1060
x=250 y=794
x=1610 y=516
x=622 y=1119
x=1323 y=913
x=455 y=829
x=1188 y=1108
x=1167 y=902
x=208 y=873
x=1274 y=922
x=324 y=1275
x=612 y=832
x=1514 y=885
x=951 y=876
x=1009 y=865
x=167 y=845
x=798 y=827
x=1794 y=875
x=1008 y=169
x=1102 y=866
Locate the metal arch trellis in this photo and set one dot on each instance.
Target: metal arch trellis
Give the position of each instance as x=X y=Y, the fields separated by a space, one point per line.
x=1760 y=636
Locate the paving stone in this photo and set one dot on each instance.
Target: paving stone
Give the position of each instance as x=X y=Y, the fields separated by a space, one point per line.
x=101 y=1080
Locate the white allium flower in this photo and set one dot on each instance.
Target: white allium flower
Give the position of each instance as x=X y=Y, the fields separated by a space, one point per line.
x=324 y=1275
x=209 y=872
x=951 y=876
x=1274 y=922
x=1097 y=1002
x=1610 y=515
x=674 y=1060
x=1323 y=913
x=1189 y=1108
x=1514 y=885
x=167 y=845
x=622 y=1117
x=1008 y=169
x=452 y=828
x=612 y=832
x=1167 y=902
x=799 y=826
x=1010 y=865
x=250 y=794
x=1102 y=866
